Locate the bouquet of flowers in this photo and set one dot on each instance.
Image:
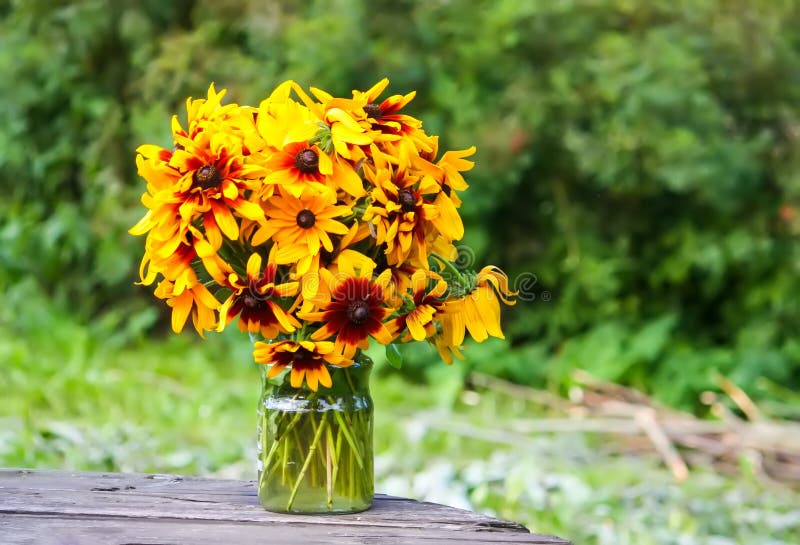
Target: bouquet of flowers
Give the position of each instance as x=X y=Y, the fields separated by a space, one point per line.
x=318 y=224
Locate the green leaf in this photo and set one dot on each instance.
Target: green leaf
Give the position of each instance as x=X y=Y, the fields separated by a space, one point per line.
x=394 y=356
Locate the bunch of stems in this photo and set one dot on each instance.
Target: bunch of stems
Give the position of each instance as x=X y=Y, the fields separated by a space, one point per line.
x=318 y=446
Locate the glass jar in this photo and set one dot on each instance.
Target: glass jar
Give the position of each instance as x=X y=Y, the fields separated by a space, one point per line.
x=315 y=448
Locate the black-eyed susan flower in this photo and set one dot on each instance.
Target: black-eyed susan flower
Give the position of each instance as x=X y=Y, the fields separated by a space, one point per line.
x=339 y=118
x=384 y=116
x=329 y=260
x=298 y=165
x=307 y=360
x=427 y=289
x=206 y=180
x=301 y=227
x=255 y=300
x=478 y=310
x=193 y=299
x=354 y=311
x=403 y=211
x=447 y=171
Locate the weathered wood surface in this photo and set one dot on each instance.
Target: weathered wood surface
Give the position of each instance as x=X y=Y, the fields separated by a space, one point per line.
x=74 y=508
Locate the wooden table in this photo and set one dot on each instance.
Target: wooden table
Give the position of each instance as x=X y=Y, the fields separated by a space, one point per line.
x=74 y=508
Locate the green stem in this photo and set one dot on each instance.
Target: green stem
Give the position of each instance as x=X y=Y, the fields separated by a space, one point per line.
x=449 y=266
x=275 y=444
x=338 y=456
x=349 y=438
x=349 y=379
x=331 y=464
x=284 y=467
x=311 y=451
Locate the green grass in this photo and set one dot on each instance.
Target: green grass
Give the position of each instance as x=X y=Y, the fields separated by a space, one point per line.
x=92 y=397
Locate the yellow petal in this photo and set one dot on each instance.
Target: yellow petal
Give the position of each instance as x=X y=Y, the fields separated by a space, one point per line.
x=325 y=377
x=297 y=378
x=225 y=220
x=473 y=320
x=254 y=266
x=181 y=306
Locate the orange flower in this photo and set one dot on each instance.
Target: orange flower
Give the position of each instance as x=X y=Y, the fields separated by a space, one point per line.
x=403 y=208
x=478 y=310
x=354 y=312
x=301 y=227
x=205 y=180
x=254 y=301
x=296 y=166
x=426 y=303
x=307 y=360
x=194 y=299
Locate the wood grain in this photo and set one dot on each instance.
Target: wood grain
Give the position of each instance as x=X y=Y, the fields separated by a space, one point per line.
x=76 y=508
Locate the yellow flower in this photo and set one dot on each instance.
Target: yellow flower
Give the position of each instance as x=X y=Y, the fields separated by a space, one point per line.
x=201 y=113
x=282 y=120
x=206 y=180
x=447 y=170
x=255 y=301
x=295 y=157
x=300 y=165
x=478 y=310
x=399 y=129
x=194 y=299
x=301 y=227
x=308 y=360
x=340 y=117
x=341 y=253
x=446 y=350
x=426 y=302
x=354 y=311
x=405 y=211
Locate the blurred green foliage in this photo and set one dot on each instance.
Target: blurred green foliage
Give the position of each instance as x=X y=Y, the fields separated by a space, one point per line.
x=638 y=170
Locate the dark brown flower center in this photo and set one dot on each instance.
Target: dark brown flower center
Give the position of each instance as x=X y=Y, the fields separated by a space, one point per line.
x=306 y=219
x=373 y=110
x=207 y=176
x=251 y=301
x=358 y=312
x=302 y=355
x=407 y=200
x=307 y=161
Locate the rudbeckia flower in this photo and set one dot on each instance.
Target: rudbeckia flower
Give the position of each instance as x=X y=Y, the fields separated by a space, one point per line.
x=296 y=166
x=354 y=312
x=194 y=299
x=447 y=170
x=426 y=302
x=207 y=179
x=404 y=212
x=341 y=253
x=478 y=310
x=395 y=127
x=255 y=301
x=307 y=360
x=300 y=227
x=446 y=350
x=339 y=119
x=204 y=113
